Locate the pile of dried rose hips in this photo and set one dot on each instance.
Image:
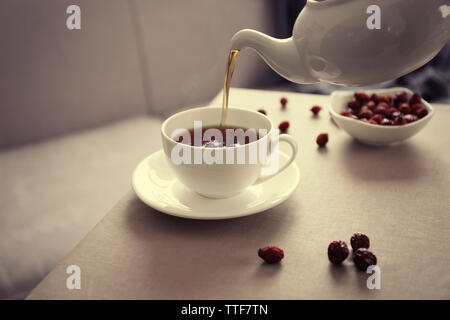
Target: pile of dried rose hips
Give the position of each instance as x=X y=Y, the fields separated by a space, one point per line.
x=362 y=257
x=386 y=110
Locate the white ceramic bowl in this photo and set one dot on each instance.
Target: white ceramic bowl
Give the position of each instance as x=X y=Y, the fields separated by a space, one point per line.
x=371 y=134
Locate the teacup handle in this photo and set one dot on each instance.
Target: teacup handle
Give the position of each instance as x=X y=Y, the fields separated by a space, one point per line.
x=286 y=138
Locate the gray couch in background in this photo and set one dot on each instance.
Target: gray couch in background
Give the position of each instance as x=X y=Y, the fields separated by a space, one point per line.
x=80 y=108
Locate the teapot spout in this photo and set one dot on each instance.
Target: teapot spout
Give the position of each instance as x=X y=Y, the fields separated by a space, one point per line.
x=280 y=54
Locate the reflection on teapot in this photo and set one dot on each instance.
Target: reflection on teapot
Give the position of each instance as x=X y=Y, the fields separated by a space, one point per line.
x=331 y=41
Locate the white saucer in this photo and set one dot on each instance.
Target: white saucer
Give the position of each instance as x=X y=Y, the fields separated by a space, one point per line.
x=156 y=185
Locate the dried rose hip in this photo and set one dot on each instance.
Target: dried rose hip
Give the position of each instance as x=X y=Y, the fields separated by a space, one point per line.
x=416 y=106
x=361 y=96
x=377 y=118
x=346 y=113
x=316 y=109
x=386 y=122
x=399 y=121
x=372 y=105
x=354 y=104
x=262 y=111
x=337 y=252
x=371 y=121
x=404 y=108
x=415 y=98
x=322 y=139
x=359 y=240
x=411 y=118
x=283 y=126
x=283 y=102
x=385 y=99
x=400 y=98
x=382 y=108
x=365 y=112
x=421 y=112
x=392 y=112
x=374 y=98
x=388 y=99
x=395 y=114
x=363 y=258
x=271 y=254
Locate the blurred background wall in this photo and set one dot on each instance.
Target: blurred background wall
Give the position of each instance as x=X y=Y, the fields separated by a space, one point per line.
x=130 y=57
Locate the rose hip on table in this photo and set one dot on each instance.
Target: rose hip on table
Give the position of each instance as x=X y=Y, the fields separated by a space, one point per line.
x=322 y=139
x=337 y=252
x=283 y=126
x=283 y=102
x=262 y=111
x=316 y=109
x=359 y=240
x=385 y=110
x=271 y=254
x=363 y=258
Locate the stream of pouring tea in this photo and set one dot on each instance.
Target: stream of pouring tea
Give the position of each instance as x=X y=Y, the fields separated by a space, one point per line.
x=226 y=86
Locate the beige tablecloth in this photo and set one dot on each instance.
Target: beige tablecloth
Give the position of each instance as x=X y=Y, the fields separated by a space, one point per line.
x=398 y=195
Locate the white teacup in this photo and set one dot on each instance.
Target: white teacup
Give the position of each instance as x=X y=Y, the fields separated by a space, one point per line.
x=222 y=180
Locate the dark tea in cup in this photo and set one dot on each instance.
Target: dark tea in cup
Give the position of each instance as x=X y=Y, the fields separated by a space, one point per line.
x=221 y=136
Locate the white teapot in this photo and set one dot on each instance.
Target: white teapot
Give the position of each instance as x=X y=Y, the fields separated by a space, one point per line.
x=333 y=41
